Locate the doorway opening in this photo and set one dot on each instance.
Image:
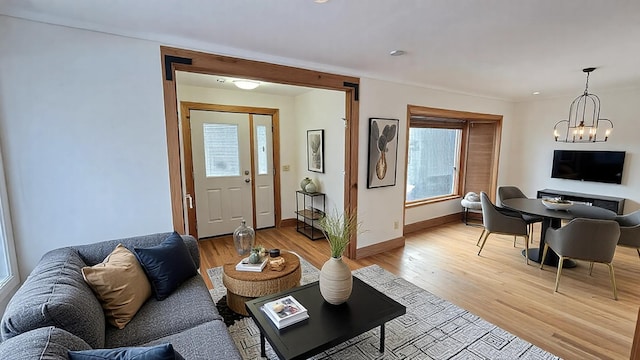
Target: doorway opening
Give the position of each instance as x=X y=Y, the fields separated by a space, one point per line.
x=210 y=184
x=191 y=61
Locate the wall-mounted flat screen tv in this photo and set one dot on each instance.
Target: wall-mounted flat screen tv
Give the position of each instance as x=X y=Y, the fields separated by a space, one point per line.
x=598 y=166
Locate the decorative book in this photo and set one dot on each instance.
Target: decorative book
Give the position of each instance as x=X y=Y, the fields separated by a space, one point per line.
x=245 y=265
x=285 y=311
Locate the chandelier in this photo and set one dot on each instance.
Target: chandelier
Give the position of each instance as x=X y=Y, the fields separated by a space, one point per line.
x=584 y=123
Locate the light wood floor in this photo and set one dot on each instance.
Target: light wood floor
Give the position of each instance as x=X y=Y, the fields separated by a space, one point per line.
x=581 y=321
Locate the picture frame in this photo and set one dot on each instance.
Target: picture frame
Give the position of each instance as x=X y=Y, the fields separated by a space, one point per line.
x=315 y=150
x=383 y=152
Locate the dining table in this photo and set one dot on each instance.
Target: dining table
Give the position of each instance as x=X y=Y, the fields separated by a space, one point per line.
x=553 y=219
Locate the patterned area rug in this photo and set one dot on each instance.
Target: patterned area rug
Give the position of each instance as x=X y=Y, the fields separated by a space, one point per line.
x=432 y=328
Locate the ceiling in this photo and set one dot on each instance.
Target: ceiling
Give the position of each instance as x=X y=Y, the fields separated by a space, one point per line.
x=226 y=83
x=495 y=48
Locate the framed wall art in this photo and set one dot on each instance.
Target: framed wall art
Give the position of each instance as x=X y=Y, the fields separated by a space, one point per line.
x=383 y=152
x=315 y=150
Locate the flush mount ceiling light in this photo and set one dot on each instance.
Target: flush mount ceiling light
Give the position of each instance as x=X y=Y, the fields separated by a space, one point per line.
x=397 y=53
x=584 y=123
x=320 y=1
x=246 y=84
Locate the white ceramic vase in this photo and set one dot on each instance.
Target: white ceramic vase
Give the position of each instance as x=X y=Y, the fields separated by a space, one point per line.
x=304 y=183
x=310 y=187
x=336 y=281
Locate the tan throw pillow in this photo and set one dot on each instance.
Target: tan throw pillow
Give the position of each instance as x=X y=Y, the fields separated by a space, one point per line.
x=120 y=284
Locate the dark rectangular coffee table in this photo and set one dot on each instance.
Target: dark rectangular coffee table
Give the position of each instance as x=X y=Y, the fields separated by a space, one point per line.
x=328 y=325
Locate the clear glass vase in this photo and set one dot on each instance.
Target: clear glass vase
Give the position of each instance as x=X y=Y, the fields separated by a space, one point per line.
x=244 y=238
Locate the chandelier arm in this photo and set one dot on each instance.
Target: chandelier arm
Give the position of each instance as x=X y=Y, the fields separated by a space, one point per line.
x=557 y=135
x=596 y=104
x=607 y=120
x=572 y=111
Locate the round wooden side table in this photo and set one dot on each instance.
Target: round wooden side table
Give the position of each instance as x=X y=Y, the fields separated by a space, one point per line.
x=247 y=285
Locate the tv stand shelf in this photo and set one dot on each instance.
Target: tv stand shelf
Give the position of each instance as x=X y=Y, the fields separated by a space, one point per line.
x=614 y=204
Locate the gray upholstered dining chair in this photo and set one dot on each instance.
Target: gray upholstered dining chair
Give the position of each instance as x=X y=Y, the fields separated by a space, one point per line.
x=630 y=230
x=584 y=239
x=500 y=222
x=512 y=192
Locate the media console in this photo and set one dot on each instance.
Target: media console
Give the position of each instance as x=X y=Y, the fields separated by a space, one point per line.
x=614 y=204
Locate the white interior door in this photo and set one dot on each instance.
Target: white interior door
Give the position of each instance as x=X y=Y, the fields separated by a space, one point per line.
x=221 y=151
x=263 y=172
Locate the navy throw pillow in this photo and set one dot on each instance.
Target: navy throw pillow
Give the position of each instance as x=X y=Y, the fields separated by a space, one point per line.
x=167 y=265
x=158 y=352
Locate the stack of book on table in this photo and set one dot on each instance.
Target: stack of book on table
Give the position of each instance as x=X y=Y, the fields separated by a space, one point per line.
x=245 y=265
x=285 y=311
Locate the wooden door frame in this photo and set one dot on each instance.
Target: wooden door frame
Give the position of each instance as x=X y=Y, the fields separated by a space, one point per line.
x=173 y=59
x=185 y=112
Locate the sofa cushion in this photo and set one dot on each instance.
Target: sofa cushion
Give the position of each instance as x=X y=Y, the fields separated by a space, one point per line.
x=120 y=284
x=158 y=352
x=188 y=306
x=48 y=343
x=167 y=265
x=210 y=340
x=55 y=294
x=96 y=252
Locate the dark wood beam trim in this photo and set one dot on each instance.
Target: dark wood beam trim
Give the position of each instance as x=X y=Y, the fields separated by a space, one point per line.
x=356 y=90
x=169 y=60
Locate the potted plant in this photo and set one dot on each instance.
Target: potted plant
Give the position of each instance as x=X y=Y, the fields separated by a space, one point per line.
x=336 y=280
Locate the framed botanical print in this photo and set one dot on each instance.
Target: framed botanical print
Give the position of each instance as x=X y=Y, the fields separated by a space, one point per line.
x=383 y=152
x=315 y=150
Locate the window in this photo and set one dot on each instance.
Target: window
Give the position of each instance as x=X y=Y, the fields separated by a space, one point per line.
x=433 y=162
x=262 y=150
x=450 y=153
x=9 y=279
x=221 y=154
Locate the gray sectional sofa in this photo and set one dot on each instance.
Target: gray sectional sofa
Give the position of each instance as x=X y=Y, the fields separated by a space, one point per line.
x=55 y=311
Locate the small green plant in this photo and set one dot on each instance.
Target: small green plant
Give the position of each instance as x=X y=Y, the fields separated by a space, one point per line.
x=338 y=228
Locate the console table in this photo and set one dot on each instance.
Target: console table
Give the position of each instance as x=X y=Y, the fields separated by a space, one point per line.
x=310 y=208
x=614 y=204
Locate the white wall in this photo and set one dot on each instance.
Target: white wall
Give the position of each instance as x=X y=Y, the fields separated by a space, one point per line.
x=537 y=119
x=323 y=109
x=288 y=135
x=379 y=208
x=83 y=135
x=82 y=129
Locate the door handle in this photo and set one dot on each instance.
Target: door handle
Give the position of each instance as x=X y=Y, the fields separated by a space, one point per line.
x=247 y=180
x=189 y=201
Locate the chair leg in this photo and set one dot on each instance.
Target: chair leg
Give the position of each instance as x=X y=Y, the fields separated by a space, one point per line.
x=526 y=249
x=486 y=235
x=544 y=255
x=514 y=240
x=559 y=272
x=480 y=238
x=590 y=268
x=613 y=281
x=638 y=250
x=531 y=232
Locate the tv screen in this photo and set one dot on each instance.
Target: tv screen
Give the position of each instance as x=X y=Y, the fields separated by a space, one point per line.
x=598 y=166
